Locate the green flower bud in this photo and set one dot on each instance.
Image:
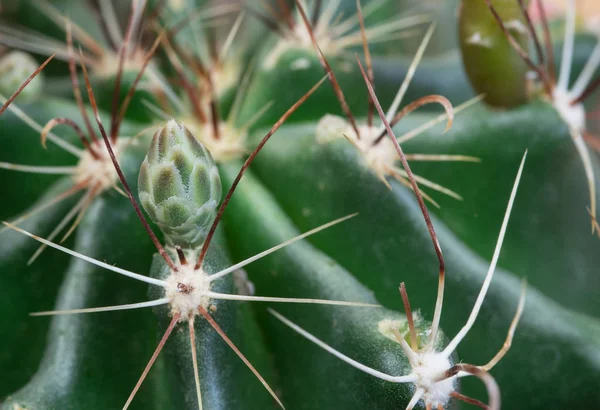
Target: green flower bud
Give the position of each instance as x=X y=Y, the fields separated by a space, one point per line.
x=179 y=186
x=15 y=68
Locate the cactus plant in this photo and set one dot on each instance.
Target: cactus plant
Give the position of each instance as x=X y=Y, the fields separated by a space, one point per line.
x=225 y=99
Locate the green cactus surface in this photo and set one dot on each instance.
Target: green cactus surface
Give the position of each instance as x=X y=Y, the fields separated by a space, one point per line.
x=234 y=205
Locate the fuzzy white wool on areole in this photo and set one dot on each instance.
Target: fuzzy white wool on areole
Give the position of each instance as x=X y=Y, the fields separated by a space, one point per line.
x=429 y=368
x=231 y=143
x=380 y=157
x=573 y=114
x=100 y=172
x=187 y=289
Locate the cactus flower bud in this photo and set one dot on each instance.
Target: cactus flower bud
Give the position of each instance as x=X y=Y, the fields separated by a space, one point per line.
x=179 y=186
x=15 y=67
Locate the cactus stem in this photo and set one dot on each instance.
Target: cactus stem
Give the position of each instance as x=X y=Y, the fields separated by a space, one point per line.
x=25 y=83
x=160 y=346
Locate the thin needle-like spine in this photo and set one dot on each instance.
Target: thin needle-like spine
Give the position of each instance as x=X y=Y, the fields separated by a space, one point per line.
x=511 y=332
x=48 y=170
x=436 y=245
x=122 y=178
x=428 y=99
x=152 y=359
x=567 y=52
x=75 y=83
x=129 y=306
x=59 y=198
x=65 y=145
x=96 y=262
x=540 y=70
x=488 y=278
x=195 y=361
x=411 y=324
x=440 y=118
x=66 y=219
x=329 y=71
x=120 y=68
x=277 y=247
x=415 y=399
x=233 y=347
x=25 y=83
x=383 y=376
x=224 y=296
x=409 y=75
x=491 y=386
x=245 y=166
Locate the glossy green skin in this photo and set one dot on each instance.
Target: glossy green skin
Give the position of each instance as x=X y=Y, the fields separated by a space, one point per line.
x=89 y=362
x=225 y=382
x=25 y=290
x=550 y=242
x=493 y=66
x=284 y=87
x=306 y=371
x=553 y=349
